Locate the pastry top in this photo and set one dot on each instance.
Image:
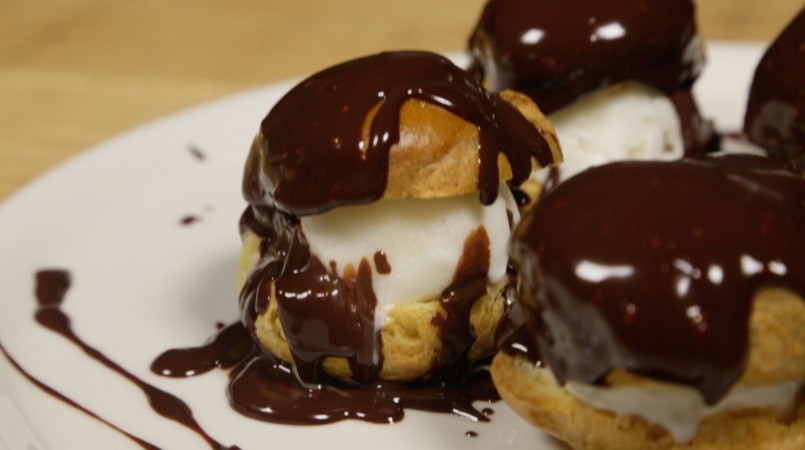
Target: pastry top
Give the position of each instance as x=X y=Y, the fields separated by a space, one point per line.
x=775 y=113
x=652 y=267
x=557 y=50
x=392 y=125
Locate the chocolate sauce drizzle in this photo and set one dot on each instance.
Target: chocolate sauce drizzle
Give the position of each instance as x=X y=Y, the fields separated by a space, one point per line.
x=313 y=146
x=775 y=113
x=558 y=50
x=51 y=287
x=652 y=267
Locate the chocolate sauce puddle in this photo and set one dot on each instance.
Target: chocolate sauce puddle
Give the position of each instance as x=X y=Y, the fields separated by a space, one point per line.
x=266 y=389
x=51 y=287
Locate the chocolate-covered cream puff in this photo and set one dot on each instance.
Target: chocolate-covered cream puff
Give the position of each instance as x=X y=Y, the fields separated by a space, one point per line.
x=374 y=243
x=663 y=306
x=614 y=76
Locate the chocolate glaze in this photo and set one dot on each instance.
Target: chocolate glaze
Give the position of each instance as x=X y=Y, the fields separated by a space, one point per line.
x=660 y=279
x=311 y=144
x=775 y=113
x=558 y=50
x=51 y=287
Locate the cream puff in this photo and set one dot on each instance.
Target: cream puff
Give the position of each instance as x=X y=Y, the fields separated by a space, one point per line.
x=615 y=77
x=374 y=243
x=663 y=306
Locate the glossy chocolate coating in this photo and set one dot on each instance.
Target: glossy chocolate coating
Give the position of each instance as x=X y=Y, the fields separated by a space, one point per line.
x=313 y=146
x=775 y=113
x=652 y=267
x=557 y=50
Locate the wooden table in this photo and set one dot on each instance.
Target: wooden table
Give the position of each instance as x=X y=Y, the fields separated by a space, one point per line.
x=76 y=72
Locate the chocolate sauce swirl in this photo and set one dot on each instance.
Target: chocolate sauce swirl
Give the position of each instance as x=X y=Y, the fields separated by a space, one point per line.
x=775 y=113
x=312 y=141
x=652 y=267
x=558 y=50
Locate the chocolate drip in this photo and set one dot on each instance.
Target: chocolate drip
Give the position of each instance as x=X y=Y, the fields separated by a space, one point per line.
x=555 y=51
x=469 y=284
x=51 y=287
x=314 y=135
x=661 y=278
x=322 y=314
x=325 y=315
x=775 y=113
x=382 y=263
x=698 y=135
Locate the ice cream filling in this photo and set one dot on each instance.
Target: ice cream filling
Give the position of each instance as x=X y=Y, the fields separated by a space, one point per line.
x=414 y=245
x=681 y=409
x=626 y=121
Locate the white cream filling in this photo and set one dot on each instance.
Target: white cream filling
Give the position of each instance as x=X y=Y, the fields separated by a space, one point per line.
x=626 y=121
x=680 y=409
x=422 y=240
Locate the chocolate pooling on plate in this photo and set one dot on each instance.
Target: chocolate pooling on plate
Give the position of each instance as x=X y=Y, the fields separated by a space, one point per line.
x=652 y=267
x=315 y=156
x=775 y=113
x=556 y=51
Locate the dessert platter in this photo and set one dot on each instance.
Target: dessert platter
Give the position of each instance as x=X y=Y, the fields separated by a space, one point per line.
x=137 y=311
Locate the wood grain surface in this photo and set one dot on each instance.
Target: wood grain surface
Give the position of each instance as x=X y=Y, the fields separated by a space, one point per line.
x=76 y=72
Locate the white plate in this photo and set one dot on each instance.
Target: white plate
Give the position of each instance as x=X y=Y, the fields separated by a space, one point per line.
x=142 y=283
